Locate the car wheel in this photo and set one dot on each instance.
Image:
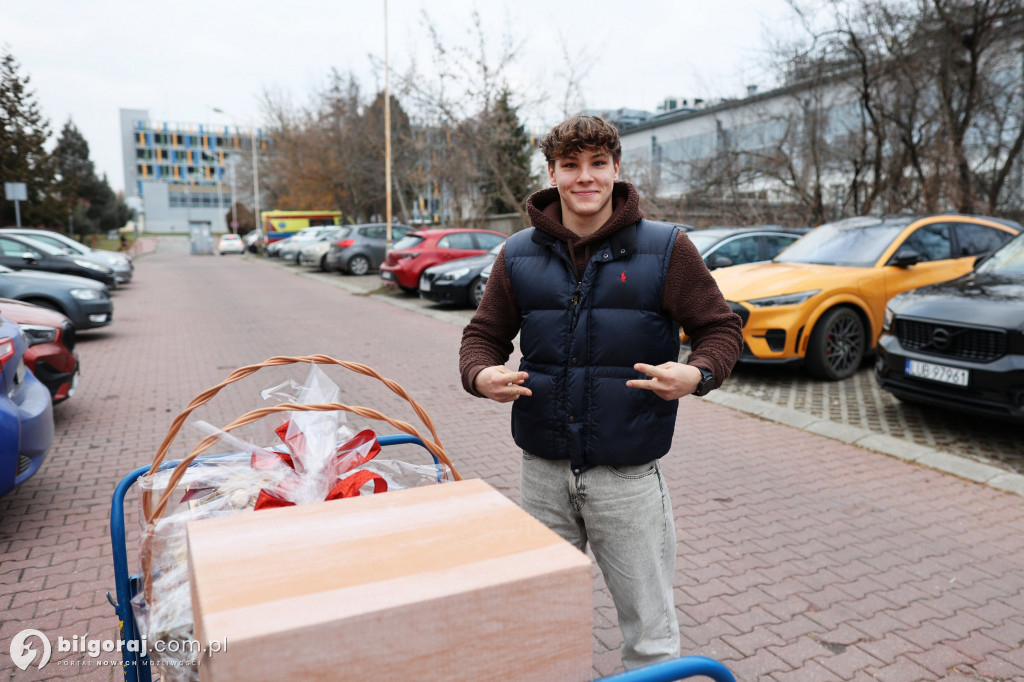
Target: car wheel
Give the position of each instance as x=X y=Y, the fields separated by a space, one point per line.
x=43 y=303
x=358 y=265
x=323 y=263
x=476 y=291
x=836 y=346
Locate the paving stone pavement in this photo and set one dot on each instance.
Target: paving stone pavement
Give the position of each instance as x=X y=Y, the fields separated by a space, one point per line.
x=800 y=557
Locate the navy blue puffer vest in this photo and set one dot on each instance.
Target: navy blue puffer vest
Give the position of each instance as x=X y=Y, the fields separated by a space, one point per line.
x=580 y=339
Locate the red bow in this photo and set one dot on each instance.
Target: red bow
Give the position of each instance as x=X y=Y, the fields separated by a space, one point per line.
x=346 y=457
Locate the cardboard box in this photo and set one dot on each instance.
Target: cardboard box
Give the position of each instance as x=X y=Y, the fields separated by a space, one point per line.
x=445 y=582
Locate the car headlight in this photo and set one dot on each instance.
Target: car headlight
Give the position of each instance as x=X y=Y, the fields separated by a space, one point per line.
x=87 y=264
x=784 y=299
x=888 y=320
x=38 y=333
x=87 y=294
x=454 y=274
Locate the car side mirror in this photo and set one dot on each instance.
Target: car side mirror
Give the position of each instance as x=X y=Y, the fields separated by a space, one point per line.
x=716 y=261
x=29 y=257
x=904 y=259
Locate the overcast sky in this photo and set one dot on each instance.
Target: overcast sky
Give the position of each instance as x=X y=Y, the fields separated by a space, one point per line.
x=180 y=60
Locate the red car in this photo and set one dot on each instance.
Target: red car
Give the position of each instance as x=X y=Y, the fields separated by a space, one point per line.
x=51 y=345
x=418 y=250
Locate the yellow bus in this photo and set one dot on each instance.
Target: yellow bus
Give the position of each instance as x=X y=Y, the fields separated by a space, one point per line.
x=281 y=224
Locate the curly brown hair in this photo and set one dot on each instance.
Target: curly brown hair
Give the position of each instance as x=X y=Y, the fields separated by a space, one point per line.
x=578 y=134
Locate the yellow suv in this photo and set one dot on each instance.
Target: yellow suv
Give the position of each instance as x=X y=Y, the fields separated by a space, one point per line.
x=822 y=300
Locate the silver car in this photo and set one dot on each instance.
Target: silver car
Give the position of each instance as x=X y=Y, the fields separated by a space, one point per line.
x=289 y=248
x=315 y=253
x=118 y=262
x=361 y=249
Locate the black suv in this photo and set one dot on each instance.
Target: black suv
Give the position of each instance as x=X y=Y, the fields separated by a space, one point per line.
x=960 y=344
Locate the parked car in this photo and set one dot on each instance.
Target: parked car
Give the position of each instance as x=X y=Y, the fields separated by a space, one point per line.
x=252 y=241
x=725 y=246
x=24 y=253
x=821 y=301
x=120 y=263
x=230 y=243
x=458 y=282
x=85 y=302
x=51 y=353
x=960 y=344
x=418 y=250
x=288 y=249
x=361 y=248
x=315 y=252
x=26 y=412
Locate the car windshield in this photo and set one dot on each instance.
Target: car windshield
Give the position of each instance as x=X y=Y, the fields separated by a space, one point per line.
x=1007 y=261
x=45 y=248
x=56 y=242
x=408 y=242
x=703 y=242
x=854 y=242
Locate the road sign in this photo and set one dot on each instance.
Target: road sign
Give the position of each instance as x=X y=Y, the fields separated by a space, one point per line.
x=16 y=191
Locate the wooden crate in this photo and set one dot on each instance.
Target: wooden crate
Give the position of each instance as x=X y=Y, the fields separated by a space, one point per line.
x=445 y=582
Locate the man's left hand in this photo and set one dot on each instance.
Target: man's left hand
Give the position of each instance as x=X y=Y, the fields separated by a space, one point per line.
x=669 y=381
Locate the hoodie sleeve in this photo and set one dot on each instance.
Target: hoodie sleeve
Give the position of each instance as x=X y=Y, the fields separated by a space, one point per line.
x=693 y=299
x=487 y=339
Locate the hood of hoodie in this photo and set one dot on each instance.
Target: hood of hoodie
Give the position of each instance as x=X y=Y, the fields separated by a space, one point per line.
x=545 y=209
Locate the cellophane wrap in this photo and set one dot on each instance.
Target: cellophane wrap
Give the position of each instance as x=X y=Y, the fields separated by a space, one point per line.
x=316 y=453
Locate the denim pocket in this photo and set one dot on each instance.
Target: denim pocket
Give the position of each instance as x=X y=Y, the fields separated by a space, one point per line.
x=635 y=472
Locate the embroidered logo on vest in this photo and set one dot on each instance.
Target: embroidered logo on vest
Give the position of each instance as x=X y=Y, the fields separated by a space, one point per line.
x=623 y=277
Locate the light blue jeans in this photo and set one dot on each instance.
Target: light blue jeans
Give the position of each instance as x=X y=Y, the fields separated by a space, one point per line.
x=626 y=515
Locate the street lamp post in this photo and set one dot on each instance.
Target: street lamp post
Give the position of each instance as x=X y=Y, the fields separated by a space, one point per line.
x=255 y=173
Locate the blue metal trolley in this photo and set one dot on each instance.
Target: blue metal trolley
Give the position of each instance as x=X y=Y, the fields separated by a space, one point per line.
x=136 y=667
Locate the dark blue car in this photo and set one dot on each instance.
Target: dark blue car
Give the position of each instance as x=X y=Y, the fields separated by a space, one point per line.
x=26 y=413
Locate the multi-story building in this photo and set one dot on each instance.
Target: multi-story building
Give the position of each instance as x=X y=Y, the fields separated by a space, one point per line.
x=181 y=174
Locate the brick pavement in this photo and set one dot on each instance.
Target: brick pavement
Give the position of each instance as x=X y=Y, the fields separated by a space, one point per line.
x=800 y=558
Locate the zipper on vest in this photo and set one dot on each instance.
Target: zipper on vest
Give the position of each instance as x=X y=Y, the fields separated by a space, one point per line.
x=576 y=304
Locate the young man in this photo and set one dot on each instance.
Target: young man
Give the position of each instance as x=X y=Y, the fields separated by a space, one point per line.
x=597 y=295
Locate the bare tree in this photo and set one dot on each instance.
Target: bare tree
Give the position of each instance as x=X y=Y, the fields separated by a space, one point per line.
x=464 y=101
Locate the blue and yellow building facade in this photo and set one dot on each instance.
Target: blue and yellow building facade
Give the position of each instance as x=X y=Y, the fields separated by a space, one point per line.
x=180 y=174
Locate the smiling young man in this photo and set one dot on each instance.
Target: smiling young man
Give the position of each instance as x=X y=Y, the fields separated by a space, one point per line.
x=596 y=294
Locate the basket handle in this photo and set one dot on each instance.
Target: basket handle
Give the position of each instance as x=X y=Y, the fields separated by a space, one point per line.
x=434 y=445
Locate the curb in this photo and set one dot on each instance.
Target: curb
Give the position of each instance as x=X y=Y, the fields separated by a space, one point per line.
x=978 y=472
x=922 y=455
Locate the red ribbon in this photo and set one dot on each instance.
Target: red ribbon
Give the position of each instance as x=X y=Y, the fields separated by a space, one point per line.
x=345 y=459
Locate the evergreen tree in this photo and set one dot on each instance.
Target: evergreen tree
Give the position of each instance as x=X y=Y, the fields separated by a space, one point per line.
x=23 y=132
x=76 y=177
x=88 y=198
x=506 y=175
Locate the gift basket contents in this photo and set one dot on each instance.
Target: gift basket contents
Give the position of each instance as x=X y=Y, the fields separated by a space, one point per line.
x=311 y=454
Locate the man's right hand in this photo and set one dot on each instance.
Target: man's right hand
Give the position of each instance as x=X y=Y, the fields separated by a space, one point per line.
x=501 y=384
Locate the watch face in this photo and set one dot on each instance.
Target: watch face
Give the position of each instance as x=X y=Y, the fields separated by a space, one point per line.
x=706 y=382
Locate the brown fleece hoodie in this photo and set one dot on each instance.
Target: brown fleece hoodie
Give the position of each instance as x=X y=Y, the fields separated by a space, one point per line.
x=691 y=295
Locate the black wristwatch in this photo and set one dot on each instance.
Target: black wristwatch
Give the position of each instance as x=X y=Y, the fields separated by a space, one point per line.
x=707 y=382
